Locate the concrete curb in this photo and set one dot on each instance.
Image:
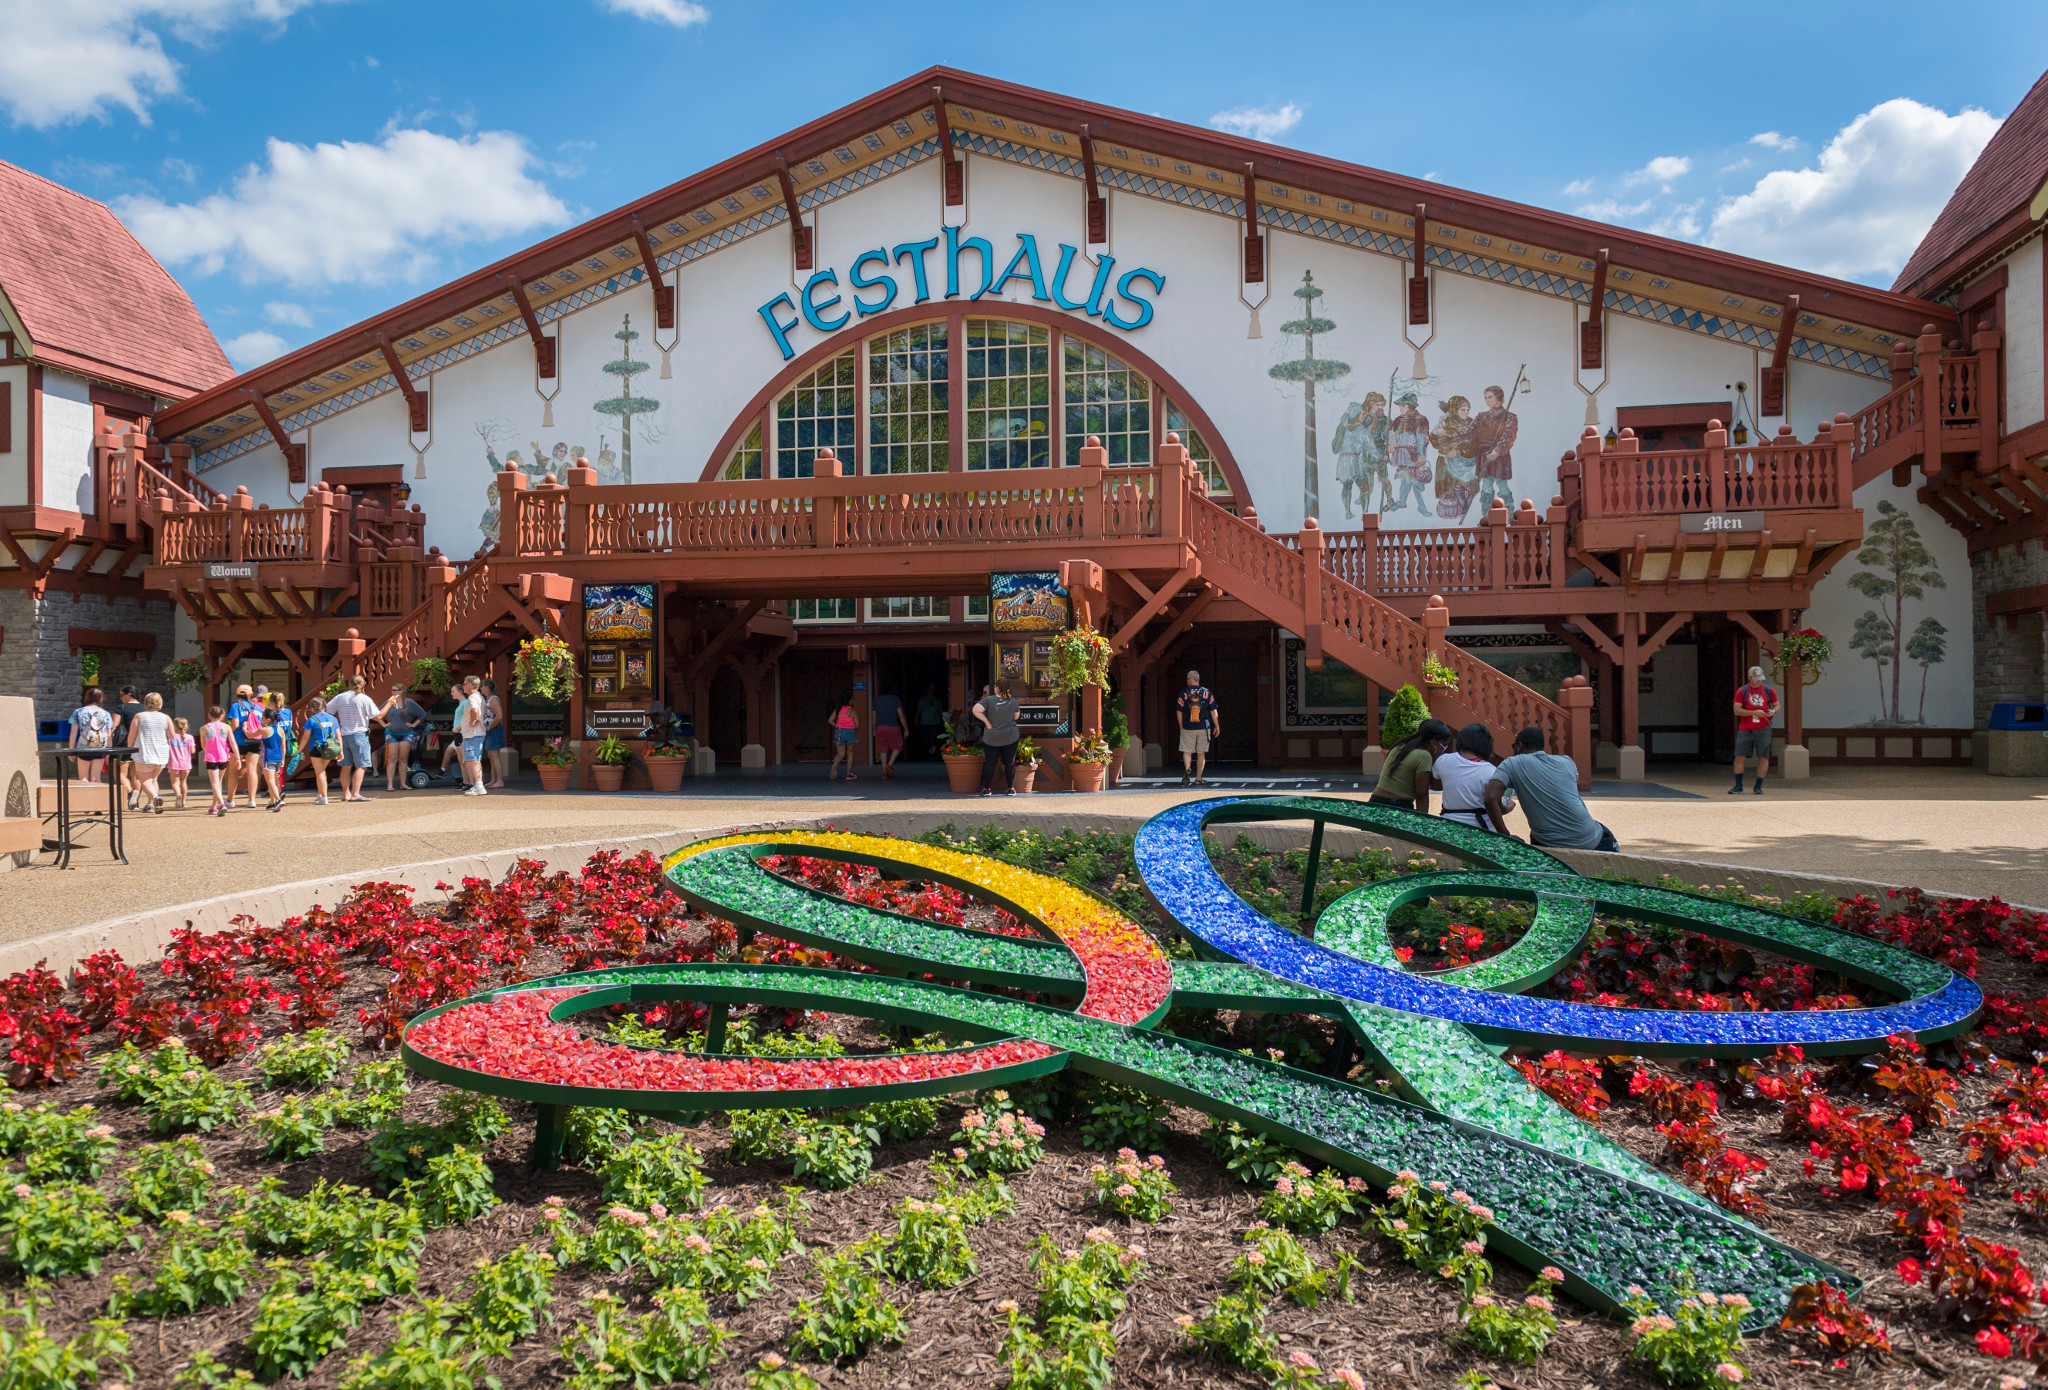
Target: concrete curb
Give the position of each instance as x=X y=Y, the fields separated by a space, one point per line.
x=142 y=936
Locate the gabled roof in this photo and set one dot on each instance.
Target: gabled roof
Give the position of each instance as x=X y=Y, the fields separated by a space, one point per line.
x=1653 y=277
x=91 y=299
x=1990 y=207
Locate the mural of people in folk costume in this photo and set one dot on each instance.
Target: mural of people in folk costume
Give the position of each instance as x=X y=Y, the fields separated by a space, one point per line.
x=1493 y=439
x=1361 y=447
x=1457 y=464
x=1408 y=453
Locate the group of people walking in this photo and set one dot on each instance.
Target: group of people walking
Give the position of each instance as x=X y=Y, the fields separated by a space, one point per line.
x=255 y=744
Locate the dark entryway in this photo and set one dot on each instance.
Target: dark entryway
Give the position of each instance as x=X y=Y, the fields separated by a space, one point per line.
x=815 y=683
x=1231 y=671
x=1720 y=653
x=725 y=728
x=909 y=673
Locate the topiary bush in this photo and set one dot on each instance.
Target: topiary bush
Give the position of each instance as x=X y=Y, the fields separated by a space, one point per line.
x=1405 y=713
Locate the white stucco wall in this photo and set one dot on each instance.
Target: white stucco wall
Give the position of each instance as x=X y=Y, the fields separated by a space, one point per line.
x=2024 y=352
x=67 y=442
x=14 y=460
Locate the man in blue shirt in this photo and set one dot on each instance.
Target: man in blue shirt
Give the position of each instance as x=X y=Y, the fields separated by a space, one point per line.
x=1200 y=723
x=1549 y=788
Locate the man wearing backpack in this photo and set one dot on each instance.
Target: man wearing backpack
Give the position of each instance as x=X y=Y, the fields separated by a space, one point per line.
x=245 y=717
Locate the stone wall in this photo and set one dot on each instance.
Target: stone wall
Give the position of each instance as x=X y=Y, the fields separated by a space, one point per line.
x=2011 y=665
x=36 y=657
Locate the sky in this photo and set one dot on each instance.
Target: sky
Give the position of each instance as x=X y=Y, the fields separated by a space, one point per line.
x=301 y=165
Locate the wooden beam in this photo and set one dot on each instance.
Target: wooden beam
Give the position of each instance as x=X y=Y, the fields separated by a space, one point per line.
x=128 y=558
x=1254 y=244
x=664 y=294
x=1763 y=556
x=952 y=173
x=1592 y=343
x=1189 y=572
x=294 y=454
x=225 y=665
x=38 y=571
x=415 y=400
x=1179 y=625
x=1755 y=629
x=1137 y=584
x=341 y=596
x=1771 y=395
x=543 y=346
x=799 y=234
x=1418 y=277
x=1677 y=564
x=1563 y=634
x=732 y=632
x=1097 y=229
x=1607 y=645
x=1649 y=647
x=2013 y=602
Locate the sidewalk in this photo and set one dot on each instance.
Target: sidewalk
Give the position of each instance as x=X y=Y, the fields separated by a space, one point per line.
x=1956 y=830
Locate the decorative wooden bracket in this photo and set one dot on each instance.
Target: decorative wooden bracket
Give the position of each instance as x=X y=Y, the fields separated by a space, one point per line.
x=1591 y=340
x=1254 y=244
x=294 y=454
x=543 y=346
x=1155 y=602
x=664 y=294
x=799 y=234
x=38 y=571
x=954 y=173
x=415 y=399
x=1771 y=392
x=1098 y=206
x=1418 y=279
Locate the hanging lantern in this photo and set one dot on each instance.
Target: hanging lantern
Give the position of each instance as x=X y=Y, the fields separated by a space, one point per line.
x=1611 y=436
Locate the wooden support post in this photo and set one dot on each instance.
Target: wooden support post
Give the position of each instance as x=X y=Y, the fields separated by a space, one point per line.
x=1632 y=754
x=1312 y=543
x=1771 y=392
x=799 y=234
x=1308 y=877
x=1254 y=243
x=1097 y=220
x=1927 y=355
x=1577 y=698
x=861 y=673
x=511 y=483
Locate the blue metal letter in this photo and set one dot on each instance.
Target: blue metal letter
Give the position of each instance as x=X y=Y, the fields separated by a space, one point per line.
x=1027 y=251
x=924 y=290
x=814 y=314
x=885 y=281
x=1101 y=287
x=1058 y=285
x=1123 y=287
x=780 y=330
x=954 y=246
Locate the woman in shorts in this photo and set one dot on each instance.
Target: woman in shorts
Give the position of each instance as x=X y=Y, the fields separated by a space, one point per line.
x=494 y=732
x=845 y=738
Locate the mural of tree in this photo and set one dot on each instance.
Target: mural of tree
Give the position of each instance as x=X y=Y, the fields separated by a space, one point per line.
x=1928 y=645
x=626 y=405
x=1308 y=369
x=1903 y=568
x=1873 y=638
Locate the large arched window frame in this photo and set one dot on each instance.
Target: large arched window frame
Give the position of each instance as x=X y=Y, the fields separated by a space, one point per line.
x=758 y=420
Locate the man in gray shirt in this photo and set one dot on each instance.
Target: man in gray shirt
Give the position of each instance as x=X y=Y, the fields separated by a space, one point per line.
x=1549 y=787
x=998 y=716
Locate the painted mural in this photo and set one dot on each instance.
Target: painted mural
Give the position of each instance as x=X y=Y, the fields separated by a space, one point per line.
x=1900 y=569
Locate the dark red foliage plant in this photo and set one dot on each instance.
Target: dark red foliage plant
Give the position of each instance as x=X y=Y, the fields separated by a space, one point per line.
x=45 y=1041
x=1842 y=1328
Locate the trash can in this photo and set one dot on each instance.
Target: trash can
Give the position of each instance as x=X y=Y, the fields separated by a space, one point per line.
x=2018 y=739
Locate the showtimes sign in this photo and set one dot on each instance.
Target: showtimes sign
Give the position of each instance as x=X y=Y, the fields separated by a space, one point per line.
x=821 y=305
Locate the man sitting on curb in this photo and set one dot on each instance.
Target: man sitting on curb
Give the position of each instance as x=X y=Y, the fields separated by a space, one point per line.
x=1755 y=704
x=1549 y=787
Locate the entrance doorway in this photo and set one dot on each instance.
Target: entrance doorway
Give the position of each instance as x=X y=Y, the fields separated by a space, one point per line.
x=909 y=673
x=1720 y=654
x=1231 y=671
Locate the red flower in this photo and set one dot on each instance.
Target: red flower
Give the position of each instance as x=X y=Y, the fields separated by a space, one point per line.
x=1992 y=1342
x=1909 y=1270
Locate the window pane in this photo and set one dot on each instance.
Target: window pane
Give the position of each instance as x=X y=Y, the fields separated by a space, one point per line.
x=816 y=413
x=746 y=459
x=920 y=609
x=908 y=401
x=823 y=610
x=1107 y=399
x=1009 y=417
x=1198 y=450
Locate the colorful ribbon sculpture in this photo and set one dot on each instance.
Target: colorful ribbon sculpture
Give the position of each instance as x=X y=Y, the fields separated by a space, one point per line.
x=1561 y=1193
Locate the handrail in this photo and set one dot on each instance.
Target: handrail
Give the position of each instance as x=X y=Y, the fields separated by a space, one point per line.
x=1625 y=481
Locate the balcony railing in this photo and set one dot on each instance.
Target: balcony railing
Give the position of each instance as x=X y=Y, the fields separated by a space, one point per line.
x=1524 y=549
x=1624 y=480
x=329 y=529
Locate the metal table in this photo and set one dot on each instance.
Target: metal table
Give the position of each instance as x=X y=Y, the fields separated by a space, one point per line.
x=67 y=820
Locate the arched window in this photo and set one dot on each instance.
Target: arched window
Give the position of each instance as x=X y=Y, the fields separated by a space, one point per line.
x=1198 y=449
x=909 y=395
x=1107 y=399
x=817 y=413
x=746 y=460
x=1009 y=394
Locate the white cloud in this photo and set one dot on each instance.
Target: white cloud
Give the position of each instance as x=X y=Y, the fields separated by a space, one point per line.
x=254 y=348
x=352 y=212
x=1681 y=221
x=1614 y=210
x=681 y=13
x=64 y=60
x=1664 y=170
x=1771 y=140
x=1881 y=181
x=281 y=311
x=181 y=171
x=1258 y=122
x=1577 y=187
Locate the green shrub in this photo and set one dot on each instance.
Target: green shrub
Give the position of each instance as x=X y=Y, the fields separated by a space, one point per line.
x=301 y=1320
x=761 y=1136
x=31 y=1359
x=63 y=1228
x=894 y=1121
x=1122 y=1117
x=168 y=1177
x=726 y=1252
x=1275 y=1263
x=776 y=1373
x=1234 y=1331
x=375 y=1093
x=1089 y=1284
x=998 y=1138
x=834 y=1156
x=474 y=1119
x=1405 y=713
x=195 y=1269
x=1069 y=1354
x=430 y=1352
x=677 y=1341
x=459 y=1186
x=592 y=1136
x=1689 y=1344
x=1512 y=1331
x=296 y=1129
x=1247 y=1155
x=508 y=1295
x=400 y=1150
x=64 y=1148
x=174 y=1088
x=978 y=1200
x=665 y=1171
x=851 y=1313
x=1134 y=1188
x=312 y=1058
x=1437 y=1230
x=205 y=1371
x=930 y=1246
x=1299 y=1202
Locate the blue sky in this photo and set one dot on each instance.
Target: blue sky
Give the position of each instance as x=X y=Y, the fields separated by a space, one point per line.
x=302 y=164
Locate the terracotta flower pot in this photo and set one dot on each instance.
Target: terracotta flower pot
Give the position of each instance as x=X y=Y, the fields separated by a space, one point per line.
x=963 y=771
x=1026 y=775
x=555 y=779
x=1086 y=777
x=608 y=776
x=666 y=774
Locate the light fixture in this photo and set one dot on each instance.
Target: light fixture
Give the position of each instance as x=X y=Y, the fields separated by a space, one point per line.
x=1740 y=433
x=403 y=492
x=1611 y=436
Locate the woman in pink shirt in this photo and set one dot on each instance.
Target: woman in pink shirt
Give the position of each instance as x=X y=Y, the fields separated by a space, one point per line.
x=217 y=745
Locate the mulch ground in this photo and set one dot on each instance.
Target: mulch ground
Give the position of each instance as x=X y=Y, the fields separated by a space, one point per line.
x=1395 y=1334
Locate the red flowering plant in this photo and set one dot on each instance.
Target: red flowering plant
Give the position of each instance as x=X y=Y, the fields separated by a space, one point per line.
x=1843 y=1329
x=44 y=1039
x=1572 y=1082
x=1975 y=1282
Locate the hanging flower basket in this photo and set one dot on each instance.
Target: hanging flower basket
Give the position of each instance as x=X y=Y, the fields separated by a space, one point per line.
x=1800 y=657
x=432 y=673
x=544 y=670
x=1080 y=659
x=186 y=674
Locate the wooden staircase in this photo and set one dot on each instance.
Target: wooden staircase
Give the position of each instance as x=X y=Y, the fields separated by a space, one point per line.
x=1942 y=411
x=1335 y=618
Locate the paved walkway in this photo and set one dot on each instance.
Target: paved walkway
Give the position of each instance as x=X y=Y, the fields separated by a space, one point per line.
x=1955 y=830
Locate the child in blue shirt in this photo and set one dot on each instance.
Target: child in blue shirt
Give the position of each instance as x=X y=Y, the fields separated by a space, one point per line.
x=277 y=728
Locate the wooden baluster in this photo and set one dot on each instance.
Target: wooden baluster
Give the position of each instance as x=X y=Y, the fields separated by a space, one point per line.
x=1492 y=553
x=1927 y=353
x=241 y=506
x=830 y=507
x=511 y=499
x=1719 y=462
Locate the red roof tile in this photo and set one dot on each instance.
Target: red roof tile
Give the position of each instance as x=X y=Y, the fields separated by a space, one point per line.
x=84 y=287
x=2003 y=180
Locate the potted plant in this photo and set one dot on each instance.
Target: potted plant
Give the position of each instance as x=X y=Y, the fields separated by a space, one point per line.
x=1801 y=656
x=186 y=674
x=554 y=760
x=432 y=673
x=1405 y=713
x=1087 y=760
x=608 y=763
x=1079 y=659
x=1116 y=729
x=667 y=761
x=963 y=764
x=1027 y=765
x=544 y=670
x=1436 y=675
